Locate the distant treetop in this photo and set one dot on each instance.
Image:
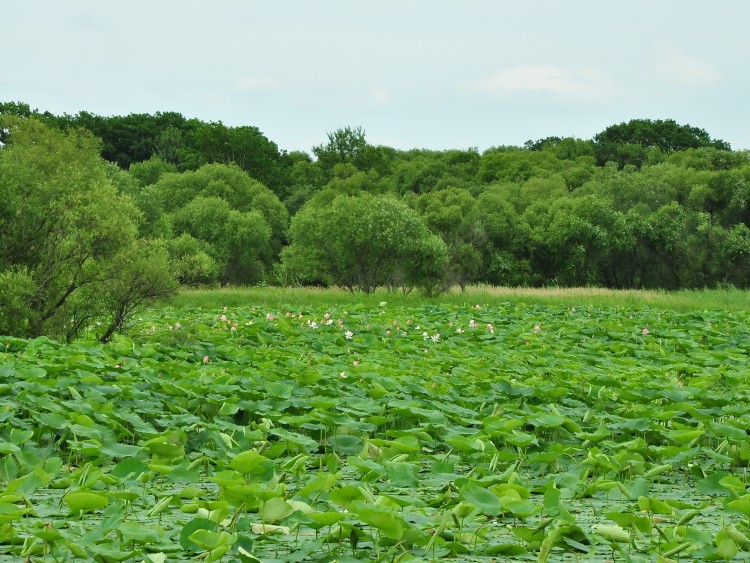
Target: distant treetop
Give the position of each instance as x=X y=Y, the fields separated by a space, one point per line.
x=663 y=133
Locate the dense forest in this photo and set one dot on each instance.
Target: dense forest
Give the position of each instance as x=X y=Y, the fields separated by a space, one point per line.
x=99 y=215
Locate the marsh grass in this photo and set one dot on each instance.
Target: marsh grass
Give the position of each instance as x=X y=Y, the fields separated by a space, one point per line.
x=686 y=300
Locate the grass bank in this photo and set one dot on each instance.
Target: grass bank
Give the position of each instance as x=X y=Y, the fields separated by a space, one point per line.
x=687 y=300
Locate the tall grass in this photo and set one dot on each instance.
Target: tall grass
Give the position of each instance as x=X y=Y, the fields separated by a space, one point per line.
x=686 y=300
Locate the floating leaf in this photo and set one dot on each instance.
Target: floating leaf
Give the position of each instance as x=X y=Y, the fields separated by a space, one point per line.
x=325 y=519
x=210 y=540
x=140 y=533
x=250 y=462
x=270 y=529
x=164 y=449
x=85 y=501
x=385 y=521
x=196 y=524
x=612 y=533
x=480 y=497
x=344 y=496
x=275 y=510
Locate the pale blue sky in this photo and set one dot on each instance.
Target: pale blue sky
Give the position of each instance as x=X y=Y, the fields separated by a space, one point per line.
x=414 y=74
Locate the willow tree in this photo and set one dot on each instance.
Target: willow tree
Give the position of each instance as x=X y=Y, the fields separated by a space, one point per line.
x=361 y=242
x=69 y=252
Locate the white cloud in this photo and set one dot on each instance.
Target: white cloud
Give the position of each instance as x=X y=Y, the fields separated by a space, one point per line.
x=673 y=64
x=257 y=84
x=380 y=97
x=550 y=80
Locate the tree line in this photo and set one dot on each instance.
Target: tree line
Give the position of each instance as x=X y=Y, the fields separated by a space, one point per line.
x=99 y=215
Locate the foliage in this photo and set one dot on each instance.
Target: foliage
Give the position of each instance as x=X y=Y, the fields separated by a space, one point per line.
x=646 y=203
x=379 y=431
x=234 y=240
x=139 y=275
x=245 y=147
x=149 y=171
x=453 y=214
x=191 y=261
x=242 y=223
x=629 y=143
x=68 y=237
x=361 y=242
x=16 y=293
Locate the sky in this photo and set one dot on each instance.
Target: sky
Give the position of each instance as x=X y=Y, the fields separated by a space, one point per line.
x=412 y=73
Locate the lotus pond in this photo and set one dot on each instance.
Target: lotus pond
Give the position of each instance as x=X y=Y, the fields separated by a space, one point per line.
x=390 y=433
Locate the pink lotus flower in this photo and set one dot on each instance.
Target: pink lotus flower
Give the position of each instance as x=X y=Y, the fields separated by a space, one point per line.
x=645 y=331
x=205 y=359
x=355 y=363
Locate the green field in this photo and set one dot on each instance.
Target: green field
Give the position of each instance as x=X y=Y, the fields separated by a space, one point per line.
x=492 y=425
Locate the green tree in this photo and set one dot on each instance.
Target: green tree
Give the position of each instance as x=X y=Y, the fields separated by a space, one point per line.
x=505 y=252
x=453 y=215
x=734 y=257
x=305 y=177
x=517 y=165
x=346 y=145
x=244 y=146
x=652 y=186
x=192 y=262
x=570 y=239
x=361 y=242
x=567 y=148
x=630 y=143
x=236 y=240
x=150 y=171
x=68 y=244
x=663 y=240
x=140 y=274
x=169 y=144
x=724 y=195
x=709 y=158
x=419 y=172
x=126 y=139
x=228 y=183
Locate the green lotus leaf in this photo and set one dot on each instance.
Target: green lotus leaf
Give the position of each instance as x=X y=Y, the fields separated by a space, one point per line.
x=85 y=501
